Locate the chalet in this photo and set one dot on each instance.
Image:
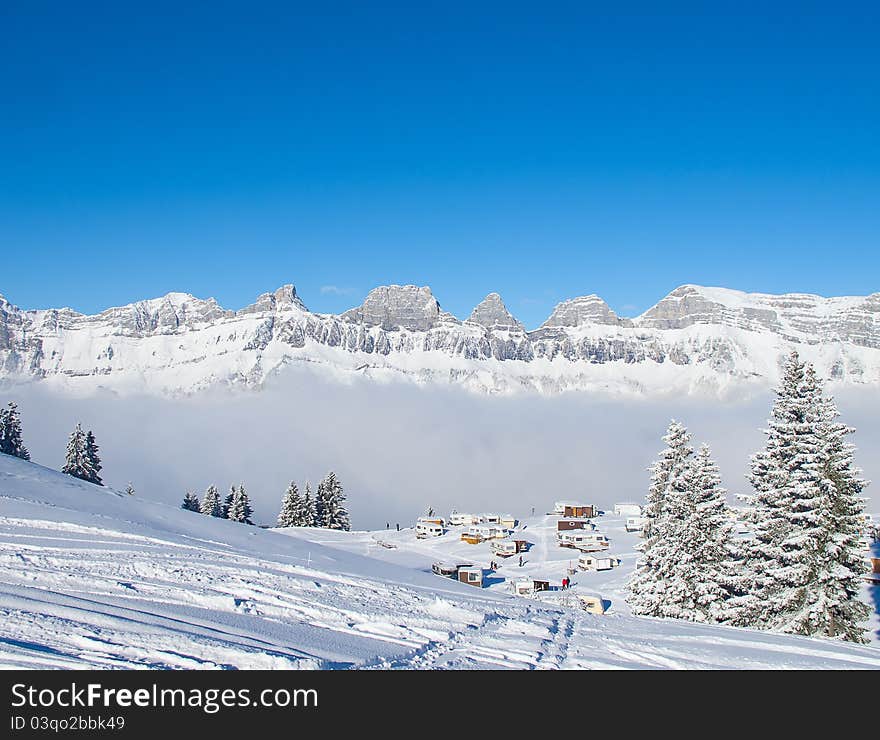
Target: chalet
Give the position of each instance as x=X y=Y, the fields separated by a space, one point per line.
x=591 y=603
x=508 y=548
x=627 y=509
x=583 y=541
x=579 y=511
x=472 y=576
x=571 y=523
x=594 y=562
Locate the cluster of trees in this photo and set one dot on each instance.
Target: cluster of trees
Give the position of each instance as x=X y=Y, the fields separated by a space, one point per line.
x=236 y=506
x=800 y=571
x=10 y=433
x=82 y=460
x=326 y=509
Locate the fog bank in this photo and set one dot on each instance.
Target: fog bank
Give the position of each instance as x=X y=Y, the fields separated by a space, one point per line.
x=400 y=448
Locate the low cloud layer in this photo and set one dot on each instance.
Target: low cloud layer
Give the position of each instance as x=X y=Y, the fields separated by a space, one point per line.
x=399 y=448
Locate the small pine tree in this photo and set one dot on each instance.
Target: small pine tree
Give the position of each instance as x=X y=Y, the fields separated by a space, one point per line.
x=76 y=461
x=291 y=508
x=93 y=461
x=330 y=509
x=240 y=509
x=210 y=505
x=309 y=515
x=227 y=503
x=191 y=502
x=10 y=433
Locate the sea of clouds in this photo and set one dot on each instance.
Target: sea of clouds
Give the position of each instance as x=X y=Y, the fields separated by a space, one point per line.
x=400 y=448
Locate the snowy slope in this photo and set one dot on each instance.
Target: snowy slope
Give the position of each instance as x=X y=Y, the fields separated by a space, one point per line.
x=696 y=340
x=90 y=577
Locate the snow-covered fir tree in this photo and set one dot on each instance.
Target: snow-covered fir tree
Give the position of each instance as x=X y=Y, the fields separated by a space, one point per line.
x=669 y=475
x=227 y=503
x=310 y=516
x=93 y=459
x=801 y=567
x=240 y=509
x=211 y=505
x=10 y=433
x=840 y=614
x=191 y=502
x=702 y=529
x=330 y=509
x=76 y=459
x=294 y=512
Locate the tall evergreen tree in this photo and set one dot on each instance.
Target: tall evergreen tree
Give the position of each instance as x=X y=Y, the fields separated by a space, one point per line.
x=240 y=509
x=800 y=571
x=10 y=433
x=293 y=512
x=76 y=461
x=210 y=505
x=665 y=502
x=227 y=503
x=702 y=530
x=330 y=509
x=191 y=502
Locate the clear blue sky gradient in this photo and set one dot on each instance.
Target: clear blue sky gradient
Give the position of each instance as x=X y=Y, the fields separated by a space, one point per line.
x=541 y=150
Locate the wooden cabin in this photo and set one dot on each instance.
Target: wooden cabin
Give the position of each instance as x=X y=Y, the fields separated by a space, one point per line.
x=472 y=576
x=573 y=523
x=578 y=511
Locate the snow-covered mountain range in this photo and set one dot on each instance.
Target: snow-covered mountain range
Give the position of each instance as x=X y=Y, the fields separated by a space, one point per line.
x=696 y=339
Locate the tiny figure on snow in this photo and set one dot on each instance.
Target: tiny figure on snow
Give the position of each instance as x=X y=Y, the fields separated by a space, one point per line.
x=520 y=561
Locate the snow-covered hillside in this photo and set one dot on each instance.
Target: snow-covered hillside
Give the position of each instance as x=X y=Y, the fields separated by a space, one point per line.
x=708 y=340
x=91 y=577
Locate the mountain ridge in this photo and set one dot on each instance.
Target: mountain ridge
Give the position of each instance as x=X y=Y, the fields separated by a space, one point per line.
x=716 y=336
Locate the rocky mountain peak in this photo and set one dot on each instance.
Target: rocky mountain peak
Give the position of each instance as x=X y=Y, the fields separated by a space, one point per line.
x=398 y=307
x=590 y=309
x=283 y=298
x=491 y=313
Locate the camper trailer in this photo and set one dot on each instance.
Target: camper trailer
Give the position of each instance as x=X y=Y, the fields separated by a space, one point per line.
x=449 y=570
x=508 y=548
x=627 y=509
x=634 y=523
x=594 y=562
x=583 y=541
x=477 y=533
x=560 y=506
x=426 y=529
x=579 y=511
x=508 y=520
x=490 y=518
x=591 y=603
x=472 y=576
x=460 y=519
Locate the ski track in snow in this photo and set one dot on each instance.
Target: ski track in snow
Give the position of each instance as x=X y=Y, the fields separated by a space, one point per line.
x=89 y=578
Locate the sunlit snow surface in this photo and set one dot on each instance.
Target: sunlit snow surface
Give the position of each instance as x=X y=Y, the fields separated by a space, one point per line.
x=93 y=578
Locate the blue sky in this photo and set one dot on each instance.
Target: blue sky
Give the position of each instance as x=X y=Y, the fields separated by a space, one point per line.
x=542 y=152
